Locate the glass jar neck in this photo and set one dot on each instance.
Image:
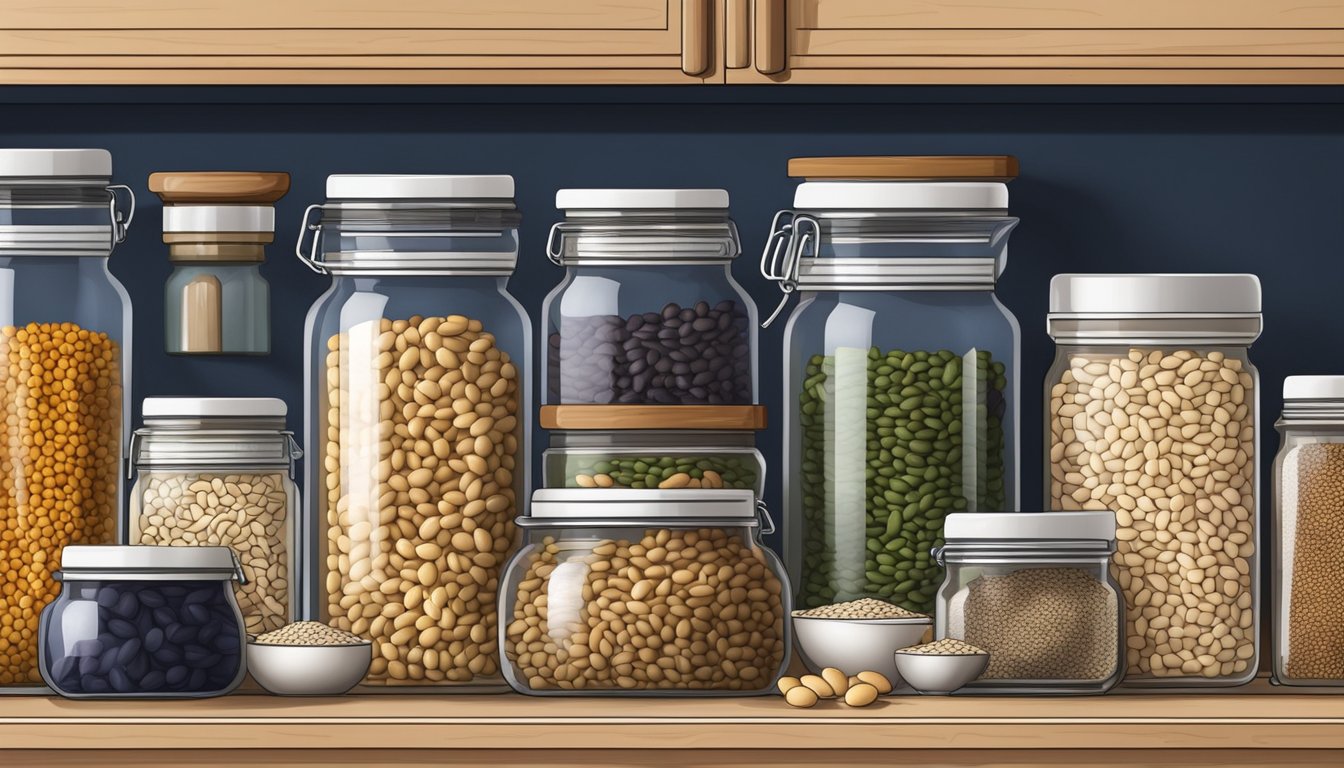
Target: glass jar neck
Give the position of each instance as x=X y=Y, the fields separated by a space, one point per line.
x=214 y=443
x=626 y=238
x=1231 y=331
x=1020 y=551
x=1323 y=415
x=672 y=439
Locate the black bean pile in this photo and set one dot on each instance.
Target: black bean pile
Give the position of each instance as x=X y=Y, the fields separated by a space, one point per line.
x=159 y=638
x=698 y=355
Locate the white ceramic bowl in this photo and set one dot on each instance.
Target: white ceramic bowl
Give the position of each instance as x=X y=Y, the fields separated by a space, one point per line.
x=308 y=670
x=940 y=674
x=856 y=645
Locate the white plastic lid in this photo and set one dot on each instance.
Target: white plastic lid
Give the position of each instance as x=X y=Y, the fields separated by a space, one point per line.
x=641 y=199
x=376 y=186
x=212 y=407
x=55 y=163
x=995 y=526
x=1158 y=294
x=218 y=218
x=901 y=195
x=1313 y=388
x=109 y=561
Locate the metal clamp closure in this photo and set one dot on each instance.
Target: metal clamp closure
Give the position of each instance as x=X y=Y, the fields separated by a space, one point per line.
x=781 y=259
x=120 y=226
x=767 y=522
x=310 y=259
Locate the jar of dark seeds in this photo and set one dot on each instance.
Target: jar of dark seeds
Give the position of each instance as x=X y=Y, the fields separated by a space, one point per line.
x=900 y=368
x=648 y=312
x=1034 y=590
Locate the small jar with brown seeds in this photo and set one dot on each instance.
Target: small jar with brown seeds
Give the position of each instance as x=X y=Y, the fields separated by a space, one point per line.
x=644 y=592
x=1152 y=411
x=419 y=418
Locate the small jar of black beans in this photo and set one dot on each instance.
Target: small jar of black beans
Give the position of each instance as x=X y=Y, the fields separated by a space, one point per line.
x=143 y=622
x=648 y=312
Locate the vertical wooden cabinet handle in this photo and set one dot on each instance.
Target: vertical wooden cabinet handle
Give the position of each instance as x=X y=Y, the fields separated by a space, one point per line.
x=738 y=34
x=771 y=35
x=695 y=36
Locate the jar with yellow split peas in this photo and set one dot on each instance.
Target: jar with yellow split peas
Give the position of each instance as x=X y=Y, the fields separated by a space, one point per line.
x=65 y=330
x=417 y=421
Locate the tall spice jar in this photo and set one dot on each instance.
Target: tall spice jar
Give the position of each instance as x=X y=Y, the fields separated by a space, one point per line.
x=417 y=420
x=219 y=471
x=65 y=334
x=900 y=363
x=1151 y=411
x=1308 y=549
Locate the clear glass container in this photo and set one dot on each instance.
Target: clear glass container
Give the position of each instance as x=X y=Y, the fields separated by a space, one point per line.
x=144 y=623
x=648 y=311
x=65 y=330
x=1308 y=551
x=217 y=225
x=418 y=421
x=1151 y=411
x=652 y=593
x=219 y=471
x=651 y=459
x=1035 y=591
x=900 y=379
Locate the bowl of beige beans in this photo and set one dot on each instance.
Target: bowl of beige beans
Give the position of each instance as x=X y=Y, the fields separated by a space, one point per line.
x=857 y=636
x=941 y=667
x=308 y=658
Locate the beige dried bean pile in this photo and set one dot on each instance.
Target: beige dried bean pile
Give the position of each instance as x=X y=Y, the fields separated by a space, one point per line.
x=420 y=461
x=946 y=647
x=248 y=512
x=693 y=609
x=863 y=608
x=1167 y=441
x=309 y=633
x=855 y=690
x=1042 y=624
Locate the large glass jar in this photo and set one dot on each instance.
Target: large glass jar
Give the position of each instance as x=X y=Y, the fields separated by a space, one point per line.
x=219 y=471
x=1034 y=589
x=654 y=459
x=144 y=623
x=1151 y=411
x=65 y=333
x=900 y=372
x=638 y=592
x=648 y=311
x=1308 y=549
x=418 y=420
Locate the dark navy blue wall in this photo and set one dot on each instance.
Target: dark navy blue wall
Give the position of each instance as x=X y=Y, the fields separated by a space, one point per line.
x=1112 y=180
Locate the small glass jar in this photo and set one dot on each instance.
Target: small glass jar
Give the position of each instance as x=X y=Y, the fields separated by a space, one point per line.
x=1308 y=536
x=418 y=421
x=651 y=593
x=653 y=459
x=144 y=623
x=648 y=312
x=900 y=368
x=219 y=471
x=65 y=334
x=217 y=225
x=1152 y=411
x=1034 y=590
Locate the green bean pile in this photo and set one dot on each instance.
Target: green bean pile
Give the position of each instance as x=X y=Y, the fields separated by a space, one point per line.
x=708 y=471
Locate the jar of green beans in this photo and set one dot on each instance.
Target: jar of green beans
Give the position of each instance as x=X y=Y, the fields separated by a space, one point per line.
x=901 y=374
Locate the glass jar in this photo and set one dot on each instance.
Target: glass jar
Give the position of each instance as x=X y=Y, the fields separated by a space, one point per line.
x=648 y=311
x=1151 y=410
x=703 y=603
x=144 y=623
x=219 y=471
x=1035 y=591
x=65 y=332
x=217 y=225
x=901 y=372
x=1308 y=538
x=417 y=420
x=652 y=459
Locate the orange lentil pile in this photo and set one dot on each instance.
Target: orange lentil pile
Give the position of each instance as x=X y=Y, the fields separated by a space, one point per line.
x=60 y=454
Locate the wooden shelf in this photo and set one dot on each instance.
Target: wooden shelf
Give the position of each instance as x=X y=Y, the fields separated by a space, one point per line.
x=1255 y=725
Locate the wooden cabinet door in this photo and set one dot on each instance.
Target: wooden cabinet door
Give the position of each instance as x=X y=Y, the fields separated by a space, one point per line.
x=358 y=41
x=1036 y=41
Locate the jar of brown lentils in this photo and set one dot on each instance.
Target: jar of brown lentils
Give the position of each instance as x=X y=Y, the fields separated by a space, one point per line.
x=65 y=327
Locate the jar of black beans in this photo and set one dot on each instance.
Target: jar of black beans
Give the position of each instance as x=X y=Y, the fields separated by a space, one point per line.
x=143 y=631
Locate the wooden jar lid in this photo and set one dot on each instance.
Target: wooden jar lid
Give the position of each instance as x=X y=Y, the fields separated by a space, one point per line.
x=216 y=187
x=1001 y=168
x=653 y=417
